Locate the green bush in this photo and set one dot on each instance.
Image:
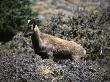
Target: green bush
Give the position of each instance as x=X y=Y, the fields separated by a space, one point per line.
x=14 y=15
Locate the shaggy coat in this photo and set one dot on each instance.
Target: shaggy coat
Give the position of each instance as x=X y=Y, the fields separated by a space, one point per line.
x=48 y=46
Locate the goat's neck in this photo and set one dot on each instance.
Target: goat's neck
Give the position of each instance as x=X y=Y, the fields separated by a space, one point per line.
x=36 y=40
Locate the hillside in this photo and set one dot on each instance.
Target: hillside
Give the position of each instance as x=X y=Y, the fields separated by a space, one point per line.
x=87 y=22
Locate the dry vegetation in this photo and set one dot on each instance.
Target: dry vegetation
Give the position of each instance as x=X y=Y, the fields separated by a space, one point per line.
x=87 y=24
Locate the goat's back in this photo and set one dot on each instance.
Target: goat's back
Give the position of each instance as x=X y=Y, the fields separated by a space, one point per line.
x=63 y=45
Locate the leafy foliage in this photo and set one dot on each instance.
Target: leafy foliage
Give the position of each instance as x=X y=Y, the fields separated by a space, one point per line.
x=14 y=14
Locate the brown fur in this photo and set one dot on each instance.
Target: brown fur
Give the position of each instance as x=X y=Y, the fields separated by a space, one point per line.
x=50 y=46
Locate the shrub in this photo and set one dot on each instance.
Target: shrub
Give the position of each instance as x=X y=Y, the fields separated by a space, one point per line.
x=91 y=30
x=13 y=16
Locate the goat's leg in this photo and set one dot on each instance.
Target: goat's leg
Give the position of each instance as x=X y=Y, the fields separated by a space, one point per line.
x=50 y=55
x=49 y=49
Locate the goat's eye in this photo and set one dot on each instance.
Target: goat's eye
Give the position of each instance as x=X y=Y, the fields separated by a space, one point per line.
x=30 y=27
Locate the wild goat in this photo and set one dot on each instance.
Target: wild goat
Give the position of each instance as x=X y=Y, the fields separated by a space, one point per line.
x=48 y=46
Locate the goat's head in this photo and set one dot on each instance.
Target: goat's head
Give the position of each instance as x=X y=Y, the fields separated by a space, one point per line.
x=31 y=27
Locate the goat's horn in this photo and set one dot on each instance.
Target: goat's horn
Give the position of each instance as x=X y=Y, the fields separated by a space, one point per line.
x=29 y=21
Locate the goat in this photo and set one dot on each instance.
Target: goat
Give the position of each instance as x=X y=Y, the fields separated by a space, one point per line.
x=48 y=46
